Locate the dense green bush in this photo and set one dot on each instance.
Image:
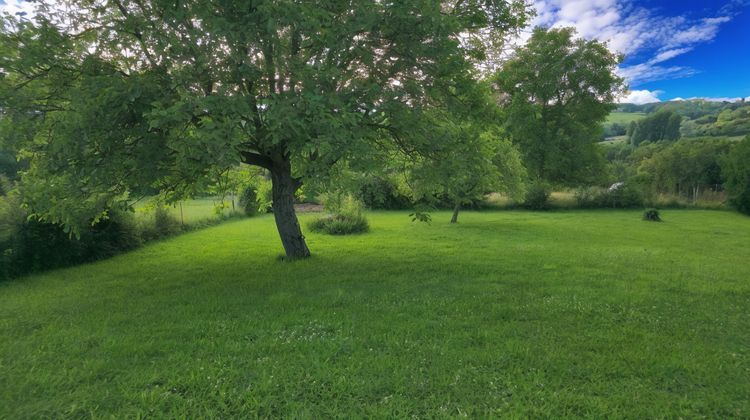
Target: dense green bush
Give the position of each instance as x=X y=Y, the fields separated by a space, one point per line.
x=736 y=169
x=28 y=246
x=537 y=196
x=340 y=224
x=383 y=193
x=652 y=215
x=160 y=225
x=249 y=200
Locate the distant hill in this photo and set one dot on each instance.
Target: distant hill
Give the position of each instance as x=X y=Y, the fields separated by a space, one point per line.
x=700 y=117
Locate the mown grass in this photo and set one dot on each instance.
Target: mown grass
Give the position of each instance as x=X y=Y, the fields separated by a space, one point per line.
x=511 y=314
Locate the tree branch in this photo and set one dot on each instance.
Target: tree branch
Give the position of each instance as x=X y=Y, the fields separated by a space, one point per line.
x=256 y=159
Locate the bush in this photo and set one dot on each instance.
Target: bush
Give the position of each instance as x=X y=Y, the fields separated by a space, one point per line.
x=340 y=224
x=620 y=195
x=346 y=215
x=588 y=197
x=537 y=196
x=249 y=200
x=33 y=245
x=383 y=193
x=161 y=225
x=652 y=215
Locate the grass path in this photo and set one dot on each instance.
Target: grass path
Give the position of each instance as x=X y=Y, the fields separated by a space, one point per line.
x=506 y=314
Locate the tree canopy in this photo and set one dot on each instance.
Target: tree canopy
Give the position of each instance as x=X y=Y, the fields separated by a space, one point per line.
x=558 y=90
x=736 y=170
x=107 y=99
x=662 y=125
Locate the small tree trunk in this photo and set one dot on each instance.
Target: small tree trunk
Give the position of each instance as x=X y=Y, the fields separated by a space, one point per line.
x=456 y=209
x=284 y=187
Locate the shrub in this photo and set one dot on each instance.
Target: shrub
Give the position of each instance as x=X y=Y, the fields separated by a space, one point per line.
x=537 y=196
x=346 y=215
x=588 y=197
x=340 y=224
x=620 y=195
x=249 y=200
x=383 y=193
x=161 y=225
x=35 y=245
x=652 y=215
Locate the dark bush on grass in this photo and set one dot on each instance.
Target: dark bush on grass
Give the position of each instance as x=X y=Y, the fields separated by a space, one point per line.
x=340 y=224
x=29 y=246
x=249 y=201
x=652 y=215
x=537 y=196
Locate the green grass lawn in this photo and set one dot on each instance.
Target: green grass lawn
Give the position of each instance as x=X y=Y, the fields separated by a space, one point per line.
x=513 y=314
x=624 y=118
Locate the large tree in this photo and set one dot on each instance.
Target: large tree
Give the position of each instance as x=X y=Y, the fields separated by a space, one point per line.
x=558 y=89
x=128 y=95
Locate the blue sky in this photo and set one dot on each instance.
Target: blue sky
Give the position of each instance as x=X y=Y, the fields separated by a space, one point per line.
x=673 y=48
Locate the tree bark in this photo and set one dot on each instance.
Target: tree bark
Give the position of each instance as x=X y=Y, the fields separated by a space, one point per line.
x=284 y=187
x=456 y=209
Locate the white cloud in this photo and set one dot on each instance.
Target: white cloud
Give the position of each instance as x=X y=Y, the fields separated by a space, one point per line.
x=669 y=54
x=636 y=31
x=649 y=72
x=640 y=97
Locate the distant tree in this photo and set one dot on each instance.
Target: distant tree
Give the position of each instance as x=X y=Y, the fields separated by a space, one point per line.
x=555 y=106
x=631 y=129
x=472 y=163
x=662 y=125
x=614 y=130
x=130 y=94
x=736 y=170
x=685 y=167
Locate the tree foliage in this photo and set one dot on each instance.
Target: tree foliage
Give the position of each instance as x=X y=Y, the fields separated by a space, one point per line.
x=663 y=125
x=685 y=166
x=736 y=170
x=558 y=90
x=471 y=162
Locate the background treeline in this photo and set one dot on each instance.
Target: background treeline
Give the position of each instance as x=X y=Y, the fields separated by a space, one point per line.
x=697 y=118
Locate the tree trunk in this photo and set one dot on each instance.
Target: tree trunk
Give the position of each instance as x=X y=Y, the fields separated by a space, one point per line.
x=284 y=187
x=456 y=209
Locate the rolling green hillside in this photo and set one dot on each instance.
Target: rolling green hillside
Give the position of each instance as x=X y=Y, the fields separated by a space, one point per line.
x=507 y=314
x=624 y=118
